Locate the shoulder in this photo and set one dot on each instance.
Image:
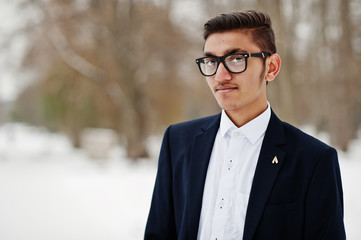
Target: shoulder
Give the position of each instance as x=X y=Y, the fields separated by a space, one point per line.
x=294 y=140
x=184 y=132
x=195 y=125
x=303 y=152
x=302 y=139
x=307 y=148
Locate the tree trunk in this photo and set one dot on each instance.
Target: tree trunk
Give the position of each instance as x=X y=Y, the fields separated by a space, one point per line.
x=342 y=122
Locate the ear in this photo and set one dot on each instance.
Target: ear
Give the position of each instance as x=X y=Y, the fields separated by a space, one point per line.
x=273 y=67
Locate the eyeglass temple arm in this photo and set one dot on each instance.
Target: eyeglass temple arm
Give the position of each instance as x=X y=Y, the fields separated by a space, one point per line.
x=262 y=54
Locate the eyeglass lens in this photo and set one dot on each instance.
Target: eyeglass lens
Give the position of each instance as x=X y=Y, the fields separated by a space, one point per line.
x=235 y=63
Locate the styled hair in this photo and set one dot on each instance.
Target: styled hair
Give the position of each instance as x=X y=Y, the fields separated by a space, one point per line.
x=257 y=23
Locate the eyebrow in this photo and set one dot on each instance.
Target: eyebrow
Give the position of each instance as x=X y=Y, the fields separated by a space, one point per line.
x=230 y=51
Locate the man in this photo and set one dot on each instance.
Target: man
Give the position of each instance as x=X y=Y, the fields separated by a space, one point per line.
x=244 y=174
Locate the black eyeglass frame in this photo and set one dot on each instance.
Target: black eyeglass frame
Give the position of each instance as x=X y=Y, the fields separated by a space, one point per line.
x=222 y=60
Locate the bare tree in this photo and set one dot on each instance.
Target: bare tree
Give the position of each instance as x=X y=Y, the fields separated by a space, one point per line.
x=143 y=65
x=342 y=124
x=124 y=48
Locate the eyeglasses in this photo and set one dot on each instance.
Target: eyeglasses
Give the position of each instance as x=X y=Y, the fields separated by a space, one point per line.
x=233 y=62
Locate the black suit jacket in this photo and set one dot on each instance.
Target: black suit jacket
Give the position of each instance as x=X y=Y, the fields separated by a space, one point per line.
x=300 y=197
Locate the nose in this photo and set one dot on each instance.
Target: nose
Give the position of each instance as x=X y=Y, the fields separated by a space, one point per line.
x=222 y=74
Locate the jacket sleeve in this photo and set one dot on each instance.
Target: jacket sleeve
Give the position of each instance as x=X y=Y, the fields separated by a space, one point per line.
x=324 y=203
x=161 y=224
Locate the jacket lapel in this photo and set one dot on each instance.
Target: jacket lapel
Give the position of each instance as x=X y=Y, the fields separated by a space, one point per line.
x=199 y=159
x=266 y=172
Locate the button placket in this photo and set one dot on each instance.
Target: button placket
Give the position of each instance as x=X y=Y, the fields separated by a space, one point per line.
x=226 y=186
x=230 y=164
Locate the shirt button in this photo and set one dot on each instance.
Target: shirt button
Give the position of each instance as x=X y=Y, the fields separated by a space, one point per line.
x=230 y=165
x=236 y=134
x=221 y=204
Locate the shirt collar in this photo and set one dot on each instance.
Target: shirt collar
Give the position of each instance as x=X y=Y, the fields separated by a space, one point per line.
x=252 y=130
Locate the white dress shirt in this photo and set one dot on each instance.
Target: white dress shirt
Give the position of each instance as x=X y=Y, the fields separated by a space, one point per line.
x=229 y=177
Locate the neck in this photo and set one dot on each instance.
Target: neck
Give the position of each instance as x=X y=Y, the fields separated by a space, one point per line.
x=243 y=115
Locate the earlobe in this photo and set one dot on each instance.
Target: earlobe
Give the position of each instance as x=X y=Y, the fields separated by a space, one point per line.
x=274 y=66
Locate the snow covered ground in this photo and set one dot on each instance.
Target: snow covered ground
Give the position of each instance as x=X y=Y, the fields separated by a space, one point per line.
x=50 y=191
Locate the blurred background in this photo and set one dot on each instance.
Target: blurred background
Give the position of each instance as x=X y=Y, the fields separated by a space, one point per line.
x=87 y=88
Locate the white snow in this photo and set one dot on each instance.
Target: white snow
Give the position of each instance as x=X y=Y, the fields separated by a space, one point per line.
x=48 y=190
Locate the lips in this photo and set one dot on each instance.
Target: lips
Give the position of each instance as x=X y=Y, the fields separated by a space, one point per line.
x=225 y=89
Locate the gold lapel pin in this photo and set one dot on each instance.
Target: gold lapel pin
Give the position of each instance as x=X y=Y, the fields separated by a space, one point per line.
x=275 y=160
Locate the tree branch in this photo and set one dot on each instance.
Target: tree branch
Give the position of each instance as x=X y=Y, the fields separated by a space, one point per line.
x=70 y=57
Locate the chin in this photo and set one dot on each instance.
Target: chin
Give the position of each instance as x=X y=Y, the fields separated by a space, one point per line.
x=229 y=108
x=229 y=105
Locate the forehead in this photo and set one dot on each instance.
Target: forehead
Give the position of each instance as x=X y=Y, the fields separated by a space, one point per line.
x=219 y=44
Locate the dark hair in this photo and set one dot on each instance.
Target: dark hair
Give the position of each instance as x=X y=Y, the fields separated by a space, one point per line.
x=258 y=23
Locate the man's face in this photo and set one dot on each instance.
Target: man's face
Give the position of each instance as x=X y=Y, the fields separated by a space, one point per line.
x=242 y=92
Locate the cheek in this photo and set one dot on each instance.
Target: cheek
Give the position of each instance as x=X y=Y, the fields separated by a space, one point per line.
x=263 y=73
x=257 y=77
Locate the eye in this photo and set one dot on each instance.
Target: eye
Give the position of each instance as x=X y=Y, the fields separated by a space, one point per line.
x=210 y=62
x=235 y=58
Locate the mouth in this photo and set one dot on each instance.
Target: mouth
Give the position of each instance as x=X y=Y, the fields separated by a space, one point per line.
x=225 y=89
